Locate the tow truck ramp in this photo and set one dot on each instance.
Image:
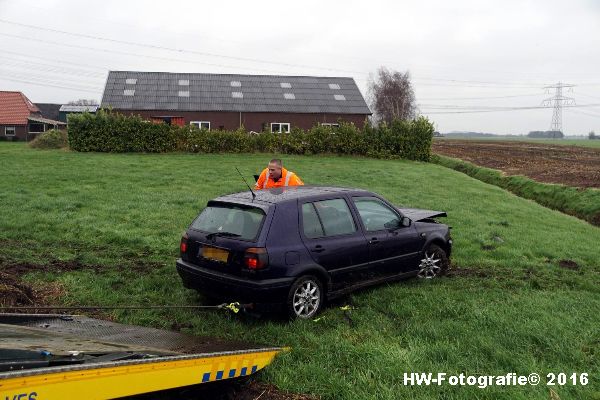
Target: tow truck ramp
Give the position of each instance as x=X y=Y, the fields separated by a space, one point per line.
x=48 y=357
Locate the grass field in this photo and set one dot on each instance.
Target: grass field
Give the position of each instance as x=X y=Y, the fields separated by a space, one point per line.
x=509 y=306
x=562 y=142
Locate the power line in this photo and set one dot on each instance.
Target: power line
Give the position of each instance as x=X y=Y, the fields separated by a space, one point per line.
x=512 y=73
x=129 y=54
x=49 y=85
x=171 y=49
x=503 y=109
x=515 y=84
x=481 y=98
x=587 y=95
x=451 y=82
x=29 y=56
x=48 y=79
x=590 y=113
x=12 y=62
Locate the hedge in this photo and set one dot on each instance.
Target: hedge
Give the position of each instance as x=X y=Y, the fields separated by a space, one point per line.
x=107 y=131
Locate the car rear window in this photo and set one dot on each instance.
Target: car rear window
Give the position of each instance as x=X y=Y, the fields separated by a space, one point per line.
x=334 y=218
x=311 y=223
x=230 y=218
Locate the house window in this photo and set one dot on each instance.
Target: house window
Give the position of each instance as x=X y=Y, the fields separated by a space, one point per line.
x=184 y=82
x=289 y=96
x=128 y=92
x=201 y=124
x=334 y=86
x=130 y=81
x=286 y=85
x=280 y=127
x=184 y=93
x=331 y=125
x=10 y=131
x=339 y=97
x=237 y=95
x=235 y=83
x=169 y=120
x=36 y=127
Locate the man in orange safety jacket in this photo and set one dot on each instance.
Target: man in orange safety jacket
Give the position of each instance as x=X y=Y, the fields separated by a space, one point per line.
x=276 y=176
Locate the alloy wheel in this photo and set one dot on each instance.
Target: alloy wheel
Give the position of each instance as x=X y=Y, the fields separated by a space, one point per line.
x=429 y=267
x=307 y=299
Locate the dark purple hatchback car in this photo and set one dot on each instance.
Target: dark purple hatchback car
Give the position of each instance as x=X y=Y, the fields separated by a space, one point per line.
x=299 y=246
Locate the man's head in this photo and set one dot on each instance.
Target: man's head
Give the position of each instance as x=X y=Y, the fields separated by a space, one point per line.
x=275 y=168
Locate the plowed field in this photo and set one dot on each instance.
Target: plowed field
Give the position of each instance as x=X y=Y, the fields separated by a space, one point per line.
x=567 y=165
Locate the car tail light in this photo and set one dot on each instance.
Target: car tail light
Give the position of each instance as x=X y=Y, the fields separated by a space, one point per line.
x=184 y=244
x=256 y=258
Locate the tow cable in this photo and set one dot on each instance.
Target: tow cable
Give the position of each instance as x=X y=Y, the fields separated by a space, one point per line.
x=233 y=307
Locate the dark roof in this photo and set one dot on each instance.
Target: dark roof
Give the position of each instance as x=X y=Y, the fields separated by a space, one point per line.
x=280 y=195
x=128 y=90
x=49 y=110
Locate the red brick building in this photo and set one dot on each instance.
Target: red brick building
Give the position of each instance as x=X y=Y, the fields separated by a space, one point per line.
x=20 y=119
x=227 y=101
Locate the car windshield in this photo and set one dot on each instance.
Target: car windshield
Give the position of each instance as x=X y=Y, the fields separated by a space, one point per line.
x=230 y=220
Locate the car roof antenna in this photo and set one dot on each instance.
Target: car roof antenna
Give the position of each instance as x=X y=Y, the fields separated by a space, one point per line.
x=251 y=191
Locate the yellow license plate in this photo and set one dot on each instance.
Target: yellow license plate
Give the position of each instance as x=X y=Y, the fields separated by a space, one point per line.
x=212 y=253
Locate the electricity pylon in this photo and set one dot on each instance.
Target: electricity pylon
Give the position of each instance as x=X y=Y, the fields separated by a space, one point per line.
x=558 y=101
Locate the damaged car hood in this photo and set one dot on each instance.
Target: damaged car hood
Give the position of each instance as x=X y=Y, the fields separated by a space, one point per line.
x=417 y=214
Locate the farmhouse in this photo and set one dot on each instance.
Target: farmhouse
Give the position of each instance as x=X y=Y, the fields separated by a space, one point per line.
x=20 y=119
x=226 y=101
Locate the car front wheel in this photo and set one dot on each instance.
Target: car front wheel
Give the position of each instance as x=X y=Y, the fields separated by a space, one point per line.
x=433 y=263
x=305 y=297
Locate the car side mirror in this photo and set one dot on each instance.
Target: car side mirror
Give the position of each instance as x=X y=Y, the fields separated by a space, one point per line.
x=405 y=222
x=395 y=224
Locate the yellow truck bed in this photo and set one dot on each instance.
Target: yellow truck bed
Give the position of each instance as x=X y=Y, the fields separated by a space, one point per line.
x=61 y=357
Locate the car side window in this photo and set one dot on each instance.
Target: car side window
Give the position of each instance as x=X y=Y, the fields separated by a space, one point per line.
x=375 y=214
x=310 y=222
x=335 y=217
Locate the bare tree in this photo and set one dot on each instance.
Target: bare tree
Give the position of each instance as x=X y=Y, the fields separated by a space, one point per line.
x=83 y=102
x=392 y=96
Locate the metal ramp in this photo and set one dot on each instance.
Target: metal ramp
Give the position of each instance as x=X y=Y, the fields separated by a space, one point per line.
x=69 y=356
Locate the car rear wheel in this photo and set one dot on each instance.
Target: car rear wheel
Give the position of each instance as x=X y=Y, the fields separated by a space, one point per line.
x=305 y=297
x=433 y=263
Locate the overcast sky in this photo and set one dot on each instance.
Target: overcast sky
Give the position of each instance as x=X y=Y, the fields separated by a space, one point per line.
x=463 y=56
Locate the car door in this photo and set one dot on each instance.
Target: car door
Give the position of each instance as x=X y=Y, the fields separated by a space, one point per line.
x=332 y=237
x=393 y=248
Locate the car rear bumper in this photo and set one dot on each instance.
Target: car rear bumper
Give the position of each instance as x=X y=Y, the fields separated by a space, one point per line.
x=233 y=288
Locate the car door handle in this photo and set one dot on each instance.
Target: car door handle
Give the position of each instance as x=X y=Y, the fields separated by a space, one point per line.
x=318 y=249
x=374 y=241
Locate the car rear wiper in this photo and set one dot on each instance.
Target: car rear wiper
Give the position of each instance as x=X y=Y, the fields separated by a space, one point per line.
x=224 y=234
